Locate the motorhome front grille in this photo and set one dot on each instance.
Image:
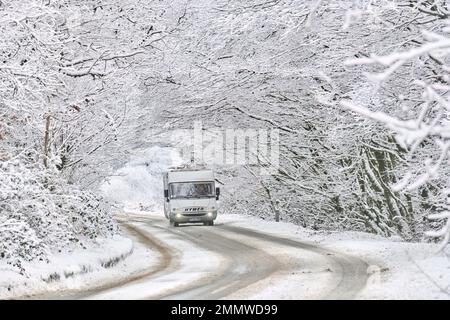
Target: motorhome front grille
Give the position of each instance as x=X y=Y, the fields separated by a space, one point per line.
x=193 y=214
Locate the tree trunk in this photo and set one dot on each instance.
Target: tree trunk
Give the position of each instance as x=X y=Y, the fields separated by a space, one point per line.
x=46 y=140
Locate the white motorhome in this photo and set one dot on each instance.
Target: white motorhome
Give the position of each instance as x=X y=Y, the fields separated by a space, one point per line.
x=190 y=196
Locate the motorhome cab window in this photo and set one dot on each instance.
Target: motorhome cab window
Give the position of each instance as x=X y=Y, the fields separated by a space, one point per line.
x=191 y=190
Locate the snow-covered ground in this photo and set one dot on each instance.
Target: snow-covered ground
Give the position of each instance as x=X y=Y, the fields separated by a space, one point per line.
x=109 y=260
x=398 y=270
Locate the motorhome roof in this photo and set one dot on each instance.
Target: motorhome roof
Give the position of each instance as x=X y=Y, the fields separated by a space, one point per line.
x=190 y=175
x=188 y=167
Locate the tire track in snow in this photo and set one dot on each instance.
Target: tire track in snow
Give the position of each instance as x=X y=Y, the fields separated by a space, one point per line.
x=245 y=264
x=349 y=273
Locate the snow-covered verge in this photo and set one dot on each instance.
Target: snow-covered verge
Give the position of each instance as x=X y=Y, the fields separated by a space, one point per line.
x=52 y=235
x=69 y=275
x=41 y=214
x=65 y=270
x=397 y=269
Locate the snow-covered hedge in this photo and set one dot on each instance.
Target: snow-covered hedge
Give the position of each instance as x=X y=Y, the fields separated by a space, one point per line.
x=40 y=214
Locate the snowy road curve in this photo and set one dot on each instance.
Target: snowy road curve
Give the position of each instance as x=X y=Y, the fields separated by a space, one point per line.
x=228 y=261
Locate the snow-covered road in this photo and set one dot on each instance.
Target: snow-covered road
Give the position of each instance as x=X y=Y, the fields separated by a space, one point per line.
x=244 y=257
x=229 y=261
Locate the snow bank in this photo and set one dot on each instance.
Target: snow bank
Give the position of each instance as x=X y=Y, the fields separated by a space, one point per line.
x=62 y=271
x=41 y=214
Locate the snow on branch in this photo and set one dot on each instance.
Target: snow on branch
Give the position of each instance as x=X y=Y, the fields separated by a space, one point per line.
x=431 y=123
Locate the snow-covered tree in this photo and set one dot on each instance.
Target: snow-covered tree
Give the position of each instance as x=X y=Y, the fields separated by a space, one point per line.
x=279 y=65
x=415 y=75
x=69 y=74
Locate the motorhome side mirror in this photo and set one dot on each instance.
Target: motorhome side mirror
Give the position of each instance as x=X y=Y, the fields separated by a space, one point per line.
x=217 y=193
x=166 y=195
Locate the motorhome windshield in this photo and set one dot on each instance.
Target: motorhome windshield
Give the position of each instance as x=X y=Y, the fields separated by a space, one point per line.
x=191 y=190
